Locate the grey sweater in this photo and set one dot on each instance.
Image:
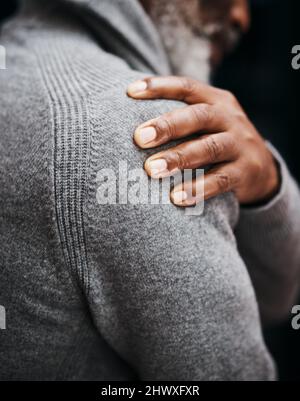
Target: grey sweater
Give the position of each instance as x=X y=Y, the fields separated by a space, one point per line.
x=125 y=291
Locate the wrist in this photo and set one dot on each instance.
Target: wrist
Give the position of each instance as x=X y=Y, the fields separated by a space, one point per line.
x=270 y=189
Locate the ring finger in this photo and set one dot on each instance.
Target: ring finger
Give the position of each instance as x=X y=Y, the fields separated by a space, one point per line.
x=217 y=181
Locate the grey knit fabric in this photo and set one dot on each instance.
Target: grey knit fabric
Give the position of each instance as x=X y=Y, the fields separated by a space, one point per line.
x=119 y=292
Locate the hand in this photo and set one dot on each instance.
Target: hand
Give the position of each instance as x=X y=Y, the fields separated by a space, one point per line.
x=227 y=140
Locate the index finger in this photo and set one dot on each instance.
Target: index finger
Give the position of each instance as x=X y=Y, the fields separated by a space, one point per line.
x=184 y=89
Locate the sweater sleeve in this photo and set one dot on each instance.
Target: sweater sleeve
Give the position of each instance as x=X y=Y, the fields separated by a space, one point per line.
x=269 y=242
x=168 y=291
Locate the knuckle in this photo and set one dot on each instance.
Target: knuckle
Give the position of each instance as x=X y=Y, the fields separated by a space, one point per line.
x=149 y=82
x=188 y=85
x=223 y=182
x=214 y=148
x=165 y=128
x=203 y=114
x=256 y=168
x=229 y=96
x=239 y=117
x=233 y=146
x=180 y=158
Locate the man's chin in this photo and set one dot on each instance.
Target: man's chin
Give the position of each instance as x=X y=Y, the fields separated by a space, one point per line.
x=194 y=61
x=189 y=68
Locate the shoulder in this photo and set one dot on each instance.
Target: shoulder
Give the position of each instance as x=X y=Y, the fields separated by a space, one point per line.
x=91 y=129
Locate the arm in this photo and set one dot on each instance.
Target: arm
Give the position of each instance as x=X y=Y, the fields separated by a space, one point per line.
x=268 y=236
x=269 y=242
x=168 y=292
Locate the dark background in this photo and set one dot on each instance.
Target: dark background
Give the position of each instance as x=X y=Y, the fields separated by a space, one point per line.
x=260 y=74
x=7 y=7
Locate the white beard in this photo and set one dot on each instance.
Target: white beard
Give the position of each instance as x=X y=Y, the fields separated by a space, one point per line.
x=189 y=54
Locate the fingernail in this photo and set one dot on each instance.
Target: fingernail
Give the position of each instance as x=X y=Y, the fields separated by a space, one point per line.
x=179 y=197
x=145 y=135
x=137 y=87
x=158 y=168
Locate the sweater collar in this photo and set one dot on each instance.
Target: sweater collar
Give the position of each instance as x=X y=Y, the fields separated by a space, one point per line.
x=124 y=29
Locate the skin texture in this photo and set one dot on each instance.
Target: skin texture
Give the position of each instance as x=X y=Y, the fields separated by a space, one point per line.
x=240 y=159
x=227 y=140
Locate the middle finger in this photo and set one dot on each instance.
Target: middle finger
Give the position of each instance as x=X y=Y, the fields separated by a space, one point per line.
x=180 y=123
x=201 y=152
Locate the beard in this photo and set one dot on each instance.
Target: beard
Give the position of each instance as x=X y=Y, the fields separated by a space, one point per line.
x=187 y=34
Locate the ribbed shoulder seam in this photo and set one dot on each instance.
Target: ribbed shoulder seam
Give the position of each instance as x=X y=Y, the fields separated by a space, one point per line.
x=68 y=100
